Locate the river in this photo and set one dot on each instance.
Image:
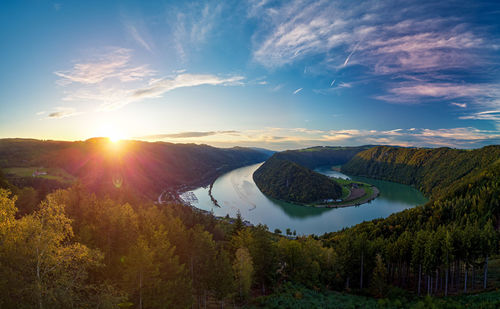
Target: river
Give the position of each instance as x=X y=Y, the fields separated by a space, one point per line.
x=236 y=190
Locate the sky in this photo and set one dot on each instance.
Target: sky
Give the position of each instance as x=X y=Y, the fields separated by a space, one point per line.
x=261 y=73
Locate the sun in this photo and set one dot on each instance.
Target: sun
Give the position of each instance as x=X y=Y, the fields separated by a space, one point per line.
x=111 y=132
x=115 y=138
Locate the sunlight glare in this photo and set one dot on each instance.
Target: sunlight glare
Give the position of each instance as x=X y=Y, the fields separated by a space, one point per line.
x=110 y=132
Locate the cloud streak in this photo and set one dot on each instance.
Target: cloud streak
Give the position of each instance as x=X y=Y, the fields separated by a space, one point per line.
x=112 y=81
x=288 y=138
x=62 y=112
x=159 y=87
x=187 y=135
x=134 y=33
x=115 y=63
x=417 y=52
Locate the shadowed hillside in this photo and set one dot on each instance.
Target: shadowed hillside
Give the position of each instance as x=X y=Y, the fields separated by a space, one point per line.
x=288 y=181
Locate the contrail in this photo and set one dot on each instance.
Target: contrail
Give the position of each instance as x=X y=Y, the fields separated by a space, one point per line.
x=349 y=57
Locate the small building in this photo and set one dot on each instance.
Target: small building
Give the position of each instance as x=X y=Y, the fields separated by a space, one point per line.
x=37 y=173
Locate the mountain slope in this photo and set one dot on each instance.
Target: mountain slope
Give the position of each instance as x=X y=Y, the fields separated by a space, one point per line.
x=430 y=170
x=143 y=167
x=321 y=156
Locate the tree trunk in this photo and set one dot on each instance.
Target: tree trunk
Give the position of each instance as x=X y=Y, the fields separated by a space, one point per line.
x=473 y=277
x=437 y=280
x=140 y=289
x=361 y=277
x=205 y=299
x=446 y=282
x=465 y=282
x=452 y=277
x=485 y=279
x=419 y=277
x=39 y=279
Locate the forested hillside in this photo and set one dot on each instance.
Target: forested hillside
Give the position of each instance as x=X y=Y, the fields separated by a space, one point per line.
x=76 y=249
x=321 y=156
x=128 y=166
x=288 y=181
x=442 y=245
x=430 y=170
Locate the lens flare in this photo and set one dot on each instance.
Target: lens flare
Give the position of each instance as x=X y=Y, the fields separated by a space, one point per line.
x=117 y=181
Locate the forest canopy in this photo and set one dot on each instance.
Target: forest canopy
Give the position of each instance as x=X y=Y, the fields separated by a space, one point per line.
x=288 y=181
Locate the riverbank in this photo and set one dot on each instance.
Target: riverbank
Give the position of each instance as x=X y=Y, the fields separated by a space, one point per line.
x=367 y=197
x=236 y=192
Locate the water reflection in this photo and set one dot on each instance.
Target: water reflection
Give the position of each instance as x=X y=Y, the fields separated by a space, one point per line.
x=237 y=191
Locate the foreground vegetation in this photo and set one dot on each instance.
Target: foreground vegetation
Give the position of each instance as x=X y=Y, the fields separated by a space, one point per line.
x=297 y=296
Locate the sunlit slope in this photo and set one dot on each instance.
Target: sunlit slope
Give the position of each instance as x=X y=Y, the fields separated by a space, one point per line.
x=430 y=170
x=143 y=167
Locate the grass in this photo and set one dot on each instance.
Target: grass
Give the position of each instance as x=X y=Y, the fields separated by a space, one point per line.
x=52 y=173
x=345 y=192
x=292 y=296
x=346 y=183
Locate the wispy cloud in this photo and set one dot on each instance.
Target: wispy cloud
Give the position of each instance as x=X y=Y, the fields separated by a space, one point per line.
x=113 y=82
x=62 y=112
x=191 y=134
x=388 y=38
x=161 y=86
x=134 y=33
x=297 y=91
x=289 y=138
x=484 y=115
x=413 y=92
x=461 y=105
x=115 y=63
x=416 y=52
x=193 y=27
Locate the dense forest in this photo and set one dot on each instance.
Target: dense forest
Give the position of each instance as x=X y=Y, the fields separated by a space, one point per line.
x=430 y=170
x=321 y=155
x=288 y=181
x=76 y=249
x=141 y=168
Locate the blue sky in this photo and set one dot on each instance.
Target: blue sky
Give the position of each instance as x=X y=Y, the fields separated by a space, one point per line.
x=274 y=74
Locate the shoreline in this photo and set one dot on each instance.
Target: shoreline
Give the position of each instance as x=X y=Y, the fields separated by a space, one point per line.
x=374 y=195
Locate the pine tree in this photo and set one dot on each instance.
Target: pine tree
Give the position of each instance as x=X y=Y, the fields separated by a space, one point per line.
x=379 y=277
